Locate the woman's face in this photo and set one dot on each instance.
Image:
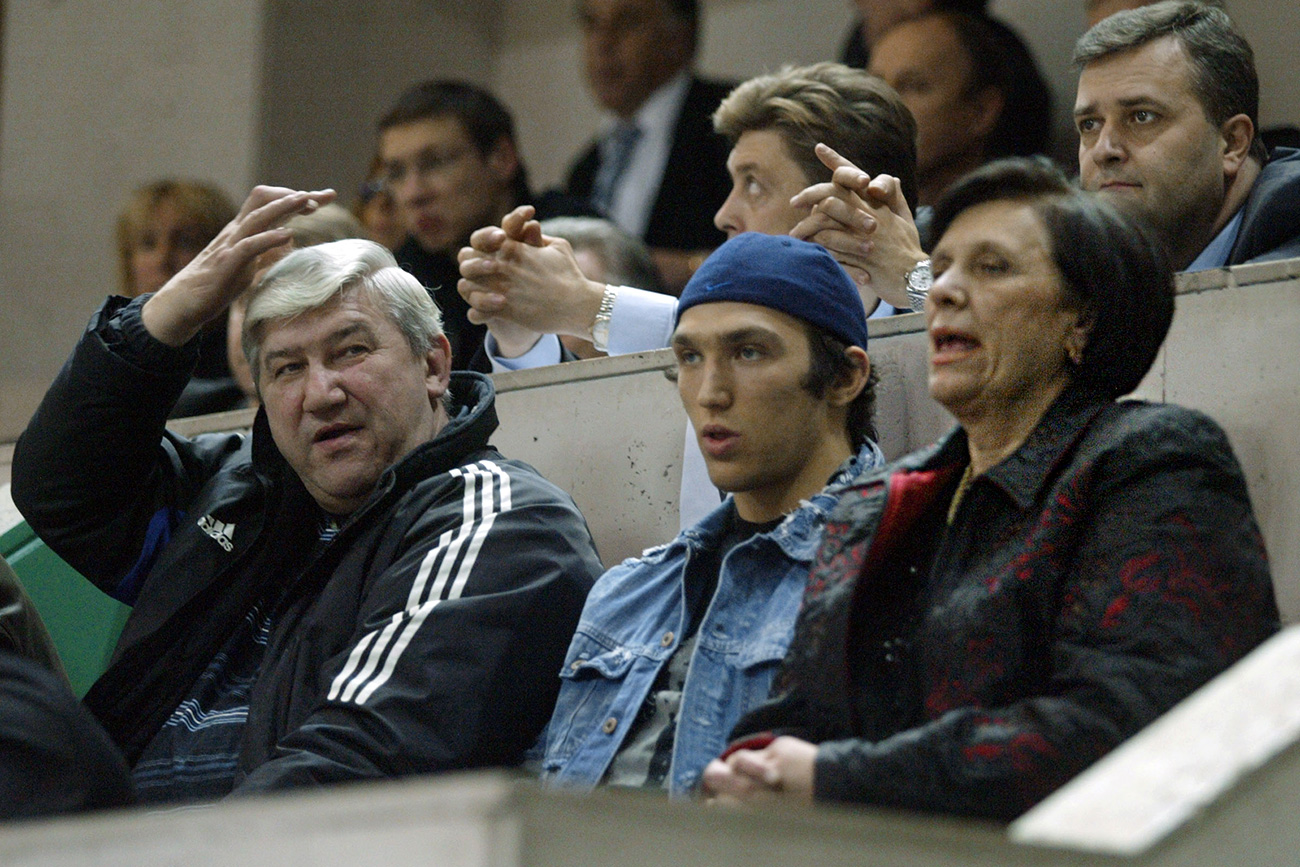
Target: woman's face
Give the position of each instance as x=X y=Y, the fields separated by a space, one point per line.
x=1001 y=323
x=167 y=242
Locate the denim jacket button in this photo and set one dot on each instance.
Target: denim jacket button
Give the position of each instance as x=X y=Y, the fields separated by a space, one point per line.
x=609 y=725
x=667 y=640
x=576 y=664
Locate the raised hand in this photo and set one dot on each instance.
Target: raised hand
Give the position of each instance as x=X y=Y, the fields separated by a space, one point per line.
x=204 y=288
x=866 y=225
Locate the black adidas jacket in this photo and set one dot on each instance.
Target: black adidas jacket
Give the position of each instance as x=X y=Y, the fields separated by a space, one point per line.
x=425 y=637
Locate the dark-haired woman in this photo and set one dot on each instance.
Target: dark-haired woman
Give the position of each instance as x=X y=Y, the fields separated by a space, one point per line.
x=991 y=615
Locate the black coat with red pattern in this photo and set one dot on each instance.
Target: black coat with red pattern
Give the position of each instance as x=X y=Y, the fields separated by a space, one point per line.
x=1087 y=583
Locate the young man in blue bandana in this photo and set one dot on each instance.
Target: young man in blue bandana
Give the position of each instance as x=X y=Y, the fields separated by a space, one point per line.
x=673 y=647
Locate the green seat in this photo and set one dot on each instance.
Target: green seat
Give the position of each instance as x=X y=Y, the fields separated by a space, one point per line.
x=83 y=621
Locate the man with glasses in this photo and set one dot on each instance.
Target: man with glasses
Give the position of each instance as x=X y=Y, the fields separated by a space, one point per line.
x=451 y=164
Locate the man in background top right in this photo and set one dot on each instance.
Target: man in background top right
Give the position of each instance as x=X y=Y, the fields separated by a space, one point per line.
x=1168 y=116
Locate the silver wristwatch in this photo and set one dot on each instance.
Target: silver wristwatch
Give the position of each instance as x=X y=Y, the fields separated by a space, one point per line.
x=919 y=281
x=600 y=327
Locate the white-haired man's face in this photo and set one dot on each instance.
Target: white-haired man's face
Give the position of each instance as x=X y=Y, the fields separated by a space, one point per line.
x=346 y=397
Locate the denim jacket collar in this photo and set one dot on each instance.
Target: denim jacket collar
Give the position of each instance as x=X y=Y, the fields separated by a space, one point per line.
x=791 y=535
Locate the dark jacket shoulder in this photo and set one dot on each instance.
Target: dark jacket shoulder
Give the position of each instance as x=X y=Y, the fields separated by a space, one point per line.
x=695 y=181
x=1270 y=222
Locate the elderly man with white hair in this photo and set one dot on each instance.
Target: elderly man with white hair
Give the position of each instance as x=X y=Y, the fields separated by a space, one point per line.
x=360 y=588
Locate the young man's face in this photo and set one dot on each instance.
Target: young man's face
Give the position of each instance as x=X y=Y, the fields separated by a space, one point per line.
x=765 y=437
x=764 y=178
x=346 y=397
x=442 y=186
x=1146 y=143
x=630 y=48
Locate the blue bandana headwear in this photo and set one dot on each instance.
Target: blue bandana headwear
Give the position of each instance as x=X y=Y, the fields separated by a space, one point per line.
x=777 y=271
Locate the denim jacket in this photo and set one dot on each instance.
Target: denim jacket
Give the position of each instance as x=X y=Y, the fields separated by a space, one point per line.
x=633 y=623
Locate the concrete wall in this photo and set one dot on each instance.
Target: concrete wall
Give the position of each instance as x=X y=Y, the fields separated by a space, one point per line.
x=1271 y=28
x=97 y=99
x=334 y=66
x=1231 y=353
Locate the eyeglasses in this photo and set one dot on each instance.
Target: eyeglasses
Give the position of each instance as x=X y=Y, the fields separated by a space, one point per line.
x=426 y=164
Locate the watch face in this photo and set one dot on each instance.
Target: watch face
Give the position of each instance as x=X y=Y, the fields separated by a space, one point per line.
x=920 y=277
x=919 y=281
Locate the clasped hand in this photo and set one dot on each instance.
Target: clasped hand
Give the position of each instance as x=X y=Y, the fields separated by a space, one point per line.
x=866 y=224
x=781 y=770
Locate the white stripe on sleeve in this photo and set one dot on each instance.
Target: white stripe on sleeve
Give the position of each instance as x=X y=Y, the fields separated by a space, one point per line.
x=487 y=494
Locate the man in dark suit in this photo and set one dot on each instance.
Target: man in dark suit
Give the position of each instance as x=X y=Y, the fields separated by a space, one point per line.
x=659 y=170
x=1168 y=118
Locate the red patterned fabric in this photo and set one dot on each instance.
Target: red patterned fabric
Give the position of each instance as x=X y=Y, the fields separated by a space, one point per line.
x=1089 y=582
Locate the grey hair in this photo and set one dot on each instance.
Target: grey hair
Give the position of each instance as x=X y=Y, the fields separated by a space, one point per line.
x=327 y=223
x=625 y=257
x=1223 y=64
x=312 y=277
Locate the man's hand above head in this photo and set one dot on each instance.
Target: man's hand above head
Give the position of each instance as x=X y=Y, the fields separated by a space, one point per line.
x=866 y=225
x=515 y=273
x=204 y=288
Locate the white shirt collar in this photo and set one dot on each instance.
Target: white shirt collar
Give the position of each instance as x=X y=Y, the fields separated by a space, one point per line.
x=635 y=192
x=659 y=111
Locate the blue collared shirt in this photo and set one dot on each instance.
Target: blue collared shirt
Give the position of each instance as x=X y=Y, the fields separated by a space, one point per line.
x=1215 y=254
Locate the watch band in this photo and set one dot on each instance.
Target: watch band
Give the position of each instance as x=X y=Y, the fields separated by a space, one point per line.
x=919 y=280
x=600 y=327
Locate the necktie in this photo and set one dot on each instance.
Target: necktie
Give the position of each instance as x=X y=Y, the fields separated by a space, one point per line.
x=615 y=154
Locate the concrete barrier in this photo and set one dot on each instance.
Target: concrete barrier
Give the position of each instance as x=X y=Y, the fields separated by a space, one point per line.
x=1234 y=353
x=611 y=430
x=1213 y=782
